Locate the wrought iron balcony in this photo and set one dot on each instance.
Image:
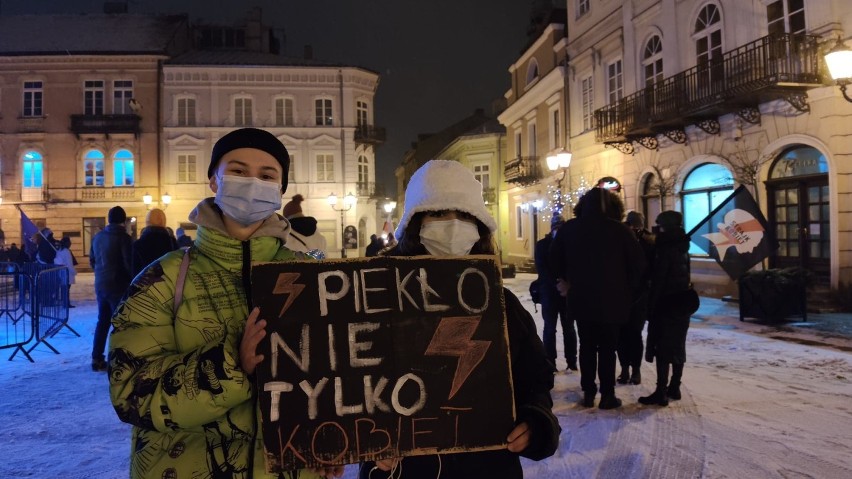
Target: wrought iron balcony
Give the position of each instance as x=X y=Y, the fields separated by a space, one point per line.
x=105 y=124
x=522 y=170
x=369 y=135
x=773 y=67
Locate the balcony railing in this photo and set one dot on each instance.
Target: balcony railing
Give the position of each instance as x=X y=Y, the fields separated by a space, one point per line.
x=365 y=188
x=769 y=68
x=105 y=124
x=99 y=193
x=522 y=170
x=369 y=135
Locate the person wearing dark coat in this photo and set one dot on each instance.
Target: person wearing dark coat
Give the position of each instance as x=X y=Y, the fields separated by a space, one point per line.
x=667 y=330
x=445 y=216
x=155 y=241
x=599 y=267
x=46 y=253
x=553 y=305
x=630 y=345
x=110 y=258
x=374 y=247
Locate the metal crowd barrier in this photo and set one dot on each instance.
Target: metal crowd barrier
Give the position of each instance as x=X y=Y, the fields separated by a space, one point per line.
x=33 y=306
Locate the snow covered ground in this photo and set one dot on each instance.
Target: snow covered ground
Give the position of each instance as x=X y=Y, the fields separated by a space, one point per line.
x=754 y=407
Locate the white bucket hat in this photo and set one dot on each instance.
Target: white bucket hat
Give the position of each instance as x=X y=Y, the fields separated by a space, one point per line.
x=444 y=185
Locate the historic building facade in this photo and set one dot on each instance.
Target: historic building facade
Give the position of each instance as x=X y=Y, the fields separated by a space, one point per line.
x=322 y=114
x=79 y=119
x=684 y=100
x=535 y=129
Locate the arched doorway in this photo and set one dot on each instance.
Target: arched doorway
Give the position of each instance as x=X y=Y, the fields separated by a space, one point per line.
x=798 y=194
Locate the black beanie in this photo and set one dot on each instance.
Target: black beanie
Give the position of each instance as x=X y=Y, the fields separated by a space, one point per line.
x=251 y=138
x=116 y=215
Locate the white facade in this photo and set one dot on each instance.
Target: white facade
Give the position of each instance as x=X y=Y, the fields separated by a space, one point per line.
x=314 y=110
x=621 y=48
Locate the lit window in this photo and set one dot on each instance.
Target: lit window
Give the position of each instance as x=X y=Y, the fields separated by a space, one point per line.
x=615 y=81
x=93 y=168
x=33 y=170
x=705 y=188
x=122 y=167
x=652 y=61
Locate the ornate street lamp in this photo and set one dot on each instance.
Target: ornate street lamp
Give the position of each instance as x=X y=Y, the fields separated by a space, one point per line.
x=348 y=202
x=839 y=61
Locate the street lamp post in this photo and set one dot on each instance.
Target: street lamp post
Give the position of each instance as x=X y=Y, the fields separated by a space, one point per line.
x=348 y=202
x=839 y=62
x=555 y=161
x=389 y=207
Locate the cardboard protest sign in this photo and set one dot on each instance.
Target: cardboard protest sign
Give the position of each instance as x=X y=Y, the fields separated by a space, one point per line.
x=381 y=357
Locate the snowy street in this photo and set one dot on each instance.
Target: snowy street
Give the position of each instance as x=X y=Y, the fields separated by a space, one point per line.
x=754 y=407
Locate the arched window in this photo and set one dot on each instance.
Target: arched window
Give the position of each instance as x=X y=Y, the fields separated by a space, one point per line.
x=123 y=168
x=708 y=47
x=532 y=71
x=705 y=188
x=652 y=61
x=93 y=168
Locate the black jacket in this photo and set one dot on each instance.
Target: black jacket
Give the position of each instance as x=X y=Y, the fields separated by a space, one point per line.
x=46 y=250
x=532 y=377
x=670 y=269
x=154 y=243
x=110 y=257
x=544 y=268
x=601 y=260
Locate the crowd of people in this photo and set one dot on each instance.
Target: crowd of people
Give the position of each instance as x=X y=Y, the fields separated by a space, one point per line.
x=609 y=275
x=175 y=313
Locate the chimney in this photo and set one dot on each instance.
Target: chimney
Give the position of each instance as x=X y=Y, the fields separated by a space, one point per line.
x=309 y=52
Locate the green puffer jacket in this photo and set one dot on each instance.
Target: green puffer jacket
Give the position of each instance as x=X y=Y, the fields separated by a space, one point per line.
x=176 y=377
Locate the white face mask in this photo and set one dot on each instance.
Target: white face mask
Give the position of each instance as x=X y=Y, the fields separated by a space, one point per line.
x=247 y=200
x=448 y=237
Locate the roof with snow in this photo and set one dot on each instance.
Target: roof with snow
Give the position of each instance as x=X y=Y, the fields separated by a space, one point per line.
x=91 y=34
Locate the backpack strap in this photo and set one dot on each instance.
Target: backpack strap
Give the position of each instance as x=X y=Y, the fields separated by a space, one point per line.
x=181 y=279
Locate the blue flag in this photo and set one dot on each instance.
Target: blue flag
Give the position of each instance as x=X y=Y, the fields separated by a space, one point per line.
x=735 y=234
x=28 y=232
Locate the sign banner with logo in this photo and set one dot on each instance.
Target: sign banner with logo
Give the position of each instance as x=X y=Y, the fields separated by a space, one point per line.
x=739 y=236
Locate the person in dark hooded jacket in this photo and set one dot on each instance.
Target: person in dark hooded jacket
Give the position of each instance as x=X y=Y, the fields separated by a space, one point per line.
x=154 y=242
x=599 y=266
x=667 y=330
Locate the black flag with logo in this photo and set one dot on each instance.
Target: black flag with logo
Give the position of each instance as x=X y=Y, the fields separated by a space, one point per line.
x=735 y=234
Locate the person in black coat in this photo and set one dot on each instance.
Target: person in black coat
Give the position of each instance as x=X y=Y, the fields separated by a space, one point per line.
x=155 y=241
x=666 y=329
x=599 y=267
x=46 y=253
x=376 y=245
x=110 y=257
x=446 y=194
x=553 y=305
x=630 y=345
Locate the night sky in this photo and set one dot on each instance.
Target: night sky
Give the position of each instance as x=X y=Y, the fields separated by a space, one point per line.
x=439 y=60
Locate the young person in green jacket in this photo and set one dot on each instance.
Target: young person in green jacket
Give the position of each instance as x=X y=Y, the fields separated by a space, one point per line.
x=183 y=348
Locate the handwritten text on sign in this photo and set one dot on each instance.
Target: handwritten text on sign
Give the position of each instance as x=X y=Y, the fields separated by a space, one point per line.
x=381 y=357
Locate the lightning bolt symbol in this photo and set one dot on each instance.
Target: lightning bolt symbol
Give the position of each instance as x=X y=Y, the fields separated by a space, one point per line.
x=286 y=284
x=452 y=338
